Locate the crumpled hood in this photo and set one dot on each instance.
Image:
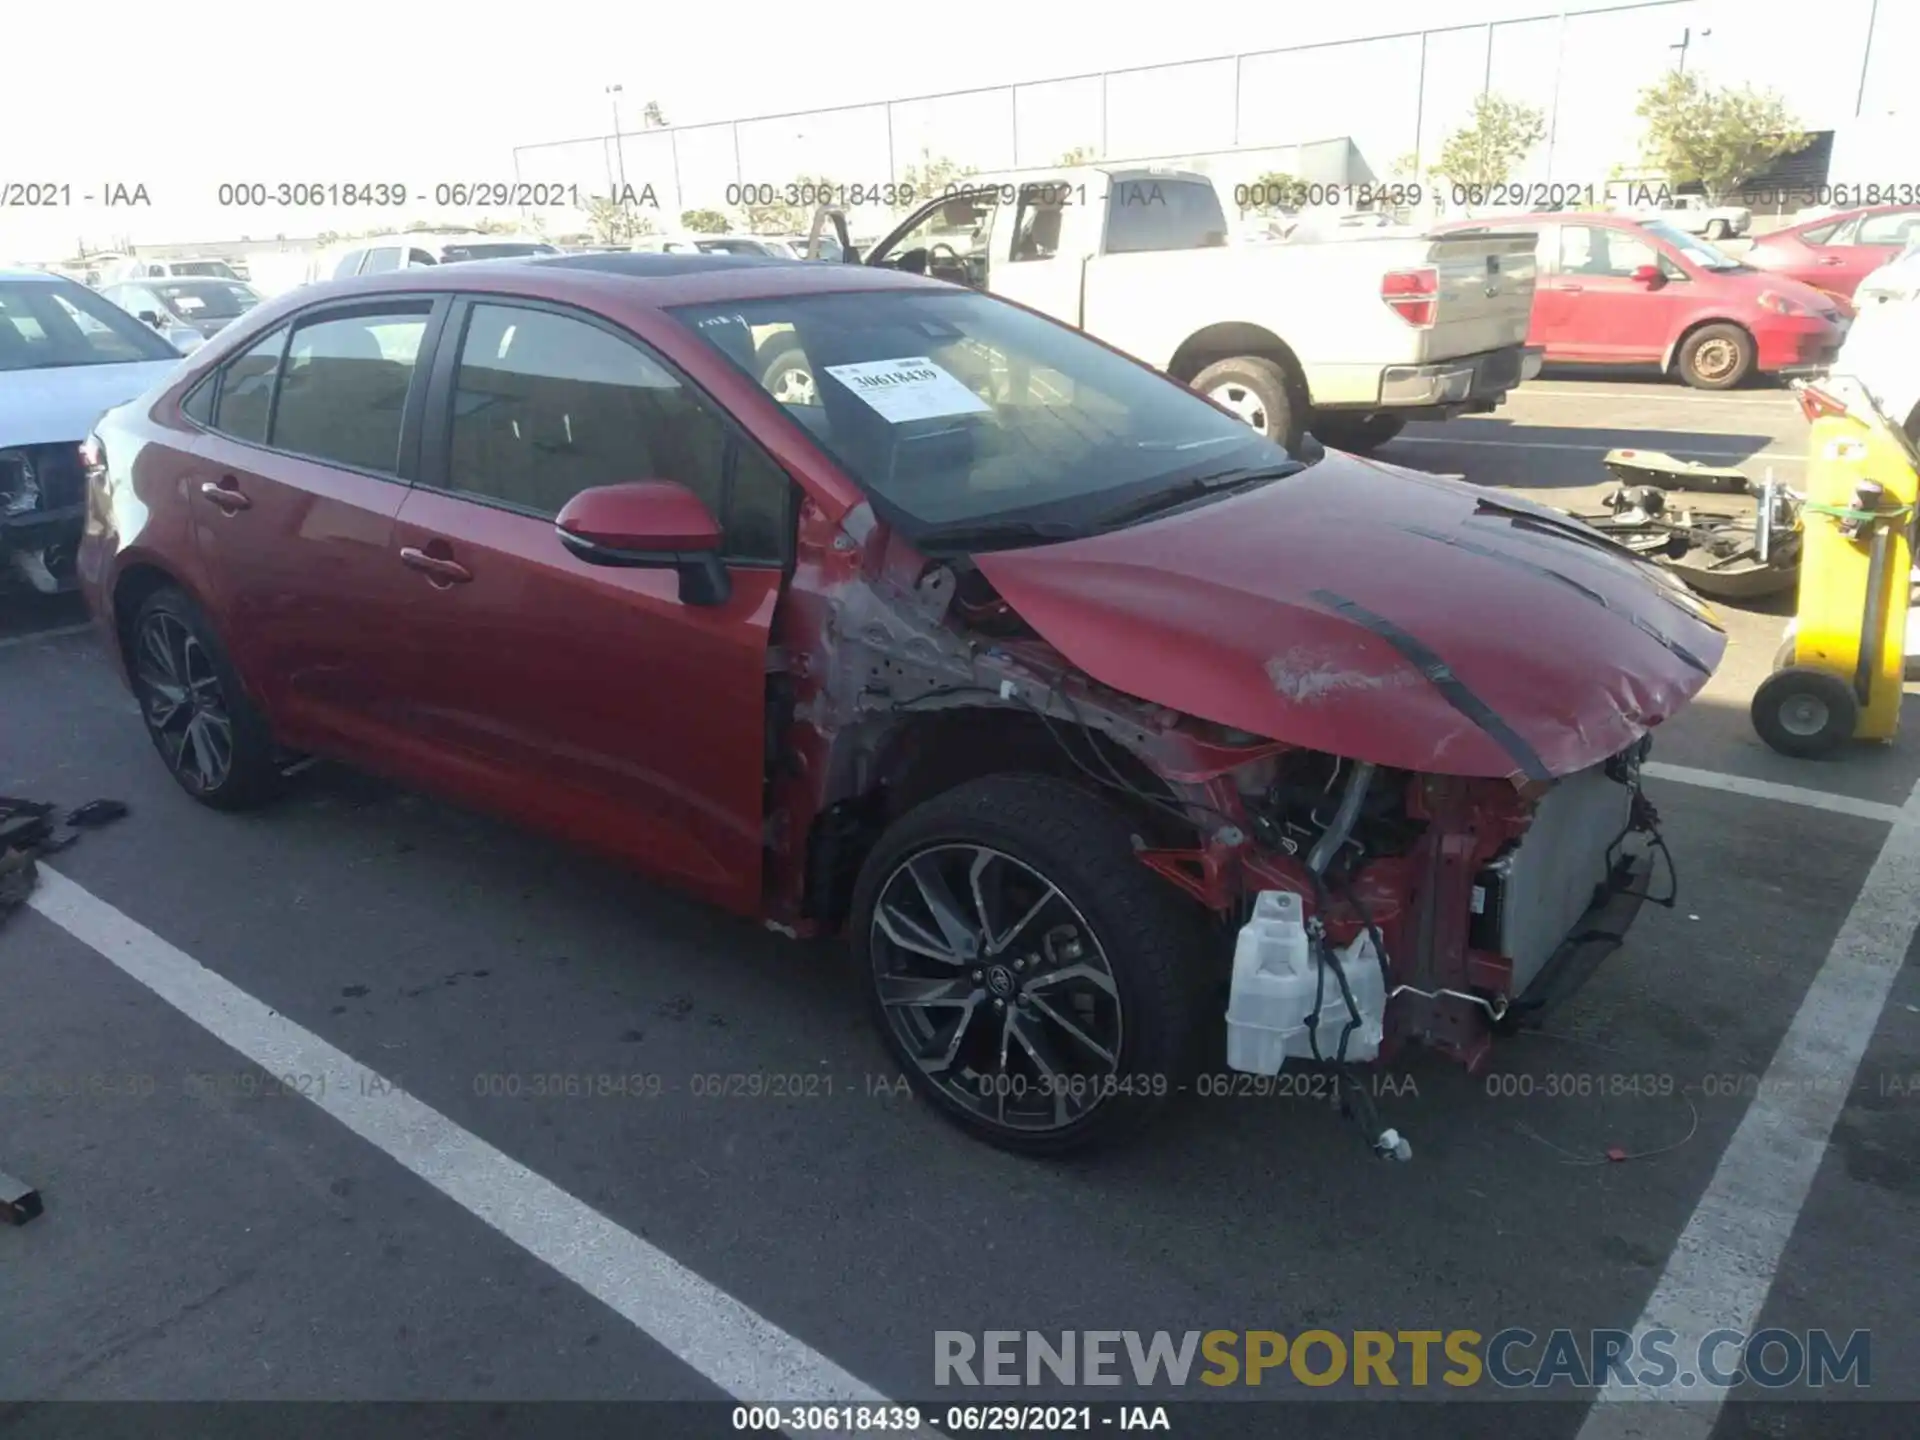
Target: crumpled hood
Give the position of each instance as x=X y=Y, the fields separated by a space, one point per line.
x=1380 y=614
x=45 y=407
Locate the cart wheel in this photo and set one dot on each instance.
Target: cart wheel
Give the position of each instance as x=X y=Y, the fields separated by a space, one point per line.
x=1804 y=712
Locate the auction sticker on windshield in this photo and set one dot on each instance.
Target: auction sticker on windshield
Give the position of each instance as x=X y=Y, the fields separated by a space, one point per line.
x=910 y=388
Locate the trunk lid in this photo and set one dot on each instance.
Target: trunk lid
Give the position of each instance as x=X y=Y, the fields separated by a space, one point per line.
x=1380 y=614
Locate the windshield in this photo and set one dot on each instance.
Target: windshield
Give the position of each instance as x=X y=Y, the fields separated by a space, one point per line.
x=47 y=325
x=218 y=268
x=198 y=300
x=494 y=250
x=736 y=247
x=956 y=412
x=1707 y=257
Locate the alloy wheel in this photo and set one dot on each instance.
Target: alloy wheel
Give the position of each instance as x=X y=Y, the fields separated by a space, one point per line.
x=1242 y=401
x=183 y=704
x=794 y=386
x=995 y=985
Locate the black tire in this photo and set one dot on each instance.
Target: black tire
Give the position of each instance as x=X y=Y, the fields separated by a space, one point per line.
x=1257 y=390
x=251 y=773
x=1716 y=357
x=1146 y=940
x=1358 y=436
x=1805 y=713
x=789 y=378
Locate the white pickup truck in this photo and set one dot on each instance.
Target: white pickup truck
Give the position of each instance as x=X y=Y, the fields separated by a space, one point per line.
x=1696 y=215
x=1350 y=338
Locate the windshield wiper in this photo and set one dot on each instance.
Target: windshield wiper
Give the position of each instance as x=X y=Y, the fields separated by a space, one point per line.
x=1212 y=483
x=970 y=535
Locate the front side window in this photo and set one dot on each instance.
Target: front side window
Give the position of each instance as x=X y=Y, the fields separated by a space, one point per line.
x=546 y=406
x=958 y=413
x=382 y=258
x=1038 y=220
x=1148 y=214
x=58 y=325
x=349 y=264
x=343 y=390
x=246 y=389
x=1592 y=250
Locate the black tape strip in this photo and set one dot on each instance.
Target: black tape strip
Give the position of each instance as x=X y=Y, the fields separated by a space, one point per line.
x=1639 y=622
x=1440 y=675
x=1602 y=550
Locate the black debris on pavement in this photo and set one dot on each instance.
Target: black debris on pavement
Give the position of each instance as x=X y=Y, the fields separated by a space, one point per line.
x=28 y=832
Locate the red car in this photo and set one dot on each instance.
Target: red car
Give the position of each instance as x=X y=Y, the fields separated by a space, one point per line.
x=1617 y=291
x=1836 y=252
x=1022 y=665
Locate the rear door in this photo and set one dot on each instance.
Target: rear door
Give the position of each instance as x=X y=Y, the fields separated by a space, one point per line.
x=1862 y=247
x=311 y=432
x=587 y=699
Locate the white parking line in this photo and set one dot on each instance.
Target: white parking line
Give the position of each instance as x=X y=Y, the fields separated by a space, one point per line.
x=1626 y=396
x=1771 y=790
x=1723 y=1265
x=730 y=1345
x=1761 y=458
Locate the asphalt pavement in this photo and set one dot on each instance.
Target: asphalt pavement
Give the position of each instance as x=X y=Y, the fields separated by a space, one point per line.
x=389 y=1211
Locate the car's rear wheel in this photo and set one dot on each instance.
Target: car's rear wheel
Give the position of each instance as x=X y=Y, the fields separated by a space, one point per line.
x=214 y=741
x=1716 y=357
x=1360 y=435
x=1033 y=981
x=1260 y=393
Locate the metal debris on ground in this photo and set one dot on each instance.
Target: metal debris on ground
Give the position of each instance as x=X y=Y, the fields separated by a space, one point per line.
x=19 y=1202
x=28 y=832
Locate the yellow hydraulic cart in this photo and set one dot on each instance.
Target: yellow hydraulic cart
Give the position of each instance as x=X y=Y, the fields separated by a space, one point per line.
x=1841 y=675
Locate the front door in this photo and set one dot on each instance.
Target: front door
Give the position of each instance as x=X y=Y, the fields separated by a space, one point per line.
x=1596 y=310
x=589 y=700
x=296 y=484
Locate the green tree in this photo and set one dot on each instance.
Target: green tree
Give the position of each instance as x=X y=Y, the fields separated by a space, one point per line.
x=703 y=222
x=1271 y=193
x=611 y=222
x=929 y=177
x=651 y=117
x=783 y=218
x=1489 y=147
x=1078 y=155
x=1714 y=136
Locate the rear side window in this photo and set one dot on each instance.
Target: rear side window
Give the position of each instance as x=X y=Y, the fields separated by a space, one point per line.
x=246 y=389
x=344 y=388
x=1151 y=214
x=1893 y=229
x=198 y=406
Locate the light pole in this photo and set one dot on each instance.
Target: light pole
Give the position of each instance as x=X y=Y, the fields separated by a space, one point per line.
x=1866 y=58
x=1686 y=41
x=620 y=155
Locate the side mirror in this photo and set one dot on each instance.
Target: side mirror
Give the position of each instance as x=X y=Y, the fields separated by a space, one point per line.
x=1650 y=276
x=649 y=525
x=152 y=317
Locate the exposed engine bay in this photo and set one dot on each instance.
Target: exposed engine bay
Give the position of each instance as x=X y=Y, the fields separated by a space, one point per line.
x=1479 y=899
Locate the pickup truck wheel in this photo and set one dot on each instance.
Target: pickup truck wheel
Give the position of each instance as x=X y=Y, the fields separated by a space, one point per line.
x=1716 y=357
x=1032 y=982
x=1361 y=436
x=1259 y=392
x=789 y=379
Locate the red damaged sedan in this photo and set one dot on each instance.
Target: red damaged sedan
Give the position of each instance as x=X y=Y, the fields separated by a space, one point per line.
x=1078 y=706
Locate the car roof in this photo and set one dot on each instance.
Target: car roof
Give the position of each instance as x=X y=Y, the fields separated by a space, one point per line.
x=1836 y=216
x=656 y=281
x=31 y=275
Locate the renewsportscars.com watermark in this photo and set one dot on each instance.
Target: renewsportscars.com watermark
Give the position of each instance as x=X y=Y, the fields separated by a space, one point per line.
x=1511 y=1359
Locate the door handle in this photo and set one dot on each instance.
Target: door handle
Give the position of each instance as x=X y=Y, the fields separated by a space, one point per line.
x=435 y=567
x=225 y=492
x=1829 y=259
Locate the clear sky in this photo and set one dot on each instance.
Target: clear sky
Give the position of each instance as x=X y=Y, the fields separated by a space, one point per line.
x=422 y=93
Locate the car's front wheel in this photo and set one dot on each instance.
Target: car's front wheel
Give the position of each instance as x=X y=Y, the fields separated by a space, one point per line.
x=1031 y=978
x=215 y=743
x=1716 y=357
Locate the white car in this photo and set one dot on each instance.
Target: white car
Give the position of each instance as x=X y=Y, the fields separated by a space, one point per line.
x=1898 y=279
x=1882 y=355
x=379 y=253
x=66 y=357
x=206 y=267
